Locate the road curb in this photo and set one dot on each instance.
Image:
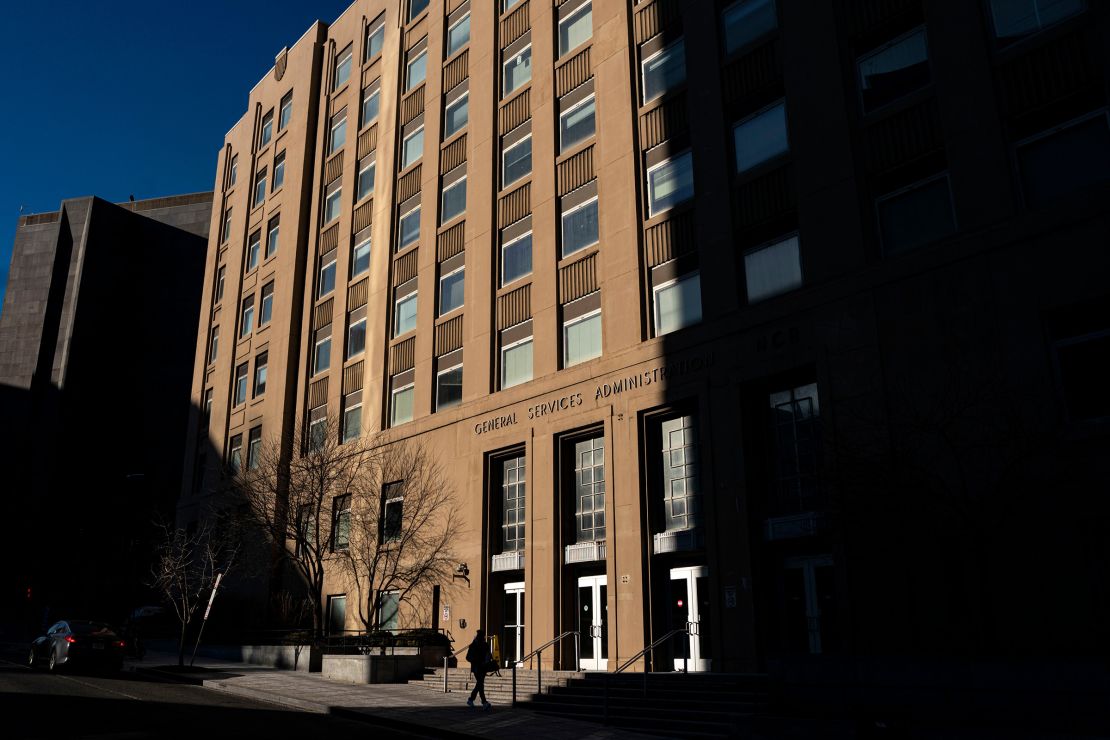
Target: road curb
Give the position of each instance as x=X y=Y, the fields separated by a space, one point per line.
x=398 y=724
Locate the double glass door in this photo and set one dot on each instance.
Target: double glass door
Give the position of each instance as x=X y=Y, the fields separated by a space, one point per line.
x=593 y=623
x=512 y=633
x=690 y=609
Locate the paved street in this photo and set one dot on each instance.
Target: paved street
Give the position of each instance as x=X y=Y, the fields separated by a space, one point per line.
x=35 y=704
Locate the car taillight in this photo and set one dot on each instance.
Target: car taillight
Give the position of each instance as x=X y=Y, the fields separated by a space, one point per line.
x=71 y=639
x=119 y=644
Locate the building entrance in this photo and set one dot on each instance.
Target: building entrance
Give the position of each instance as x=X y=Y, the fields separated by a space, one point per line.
x=593 y=622
x=512 y=633
x=690 y=608
x=809 y=592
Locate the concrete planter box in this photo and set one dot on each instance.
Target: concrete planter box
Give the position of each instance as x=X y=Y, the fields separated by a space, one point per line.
x=397 y=668
x=290 y=657
x=430 y=656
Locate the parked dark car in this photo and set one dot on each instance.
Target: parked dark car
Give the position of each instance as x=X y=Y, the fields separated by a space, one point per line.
x=78 y=643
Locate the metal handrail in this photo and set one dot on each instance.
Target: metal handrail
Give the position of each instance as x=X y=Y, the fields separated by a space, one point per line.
x=685 y=666
x=539 y=650
x=447 y=665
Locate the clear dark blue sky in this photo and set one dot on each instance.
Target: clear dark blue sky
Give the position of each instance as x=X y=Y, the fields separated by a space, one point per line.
x=121 y=97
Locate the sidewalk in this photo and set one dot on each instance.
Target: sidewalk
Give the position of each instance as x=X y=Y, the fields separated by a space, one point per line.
x=398 y=706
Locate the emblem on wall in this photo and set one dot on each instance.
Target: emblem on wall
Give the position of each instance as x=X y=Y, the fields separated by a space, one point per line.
x=281 y=61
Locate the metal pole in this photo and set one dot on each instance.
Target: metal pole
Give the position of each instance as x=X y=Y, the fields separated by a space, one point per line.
x=446 y=670
x=514 y=683
x=539 y=671
x=204 y=621
x=577 y=652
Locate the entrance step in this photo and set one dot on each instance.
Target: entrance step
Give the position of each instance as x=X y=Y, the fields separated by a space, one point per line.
x=499 y=689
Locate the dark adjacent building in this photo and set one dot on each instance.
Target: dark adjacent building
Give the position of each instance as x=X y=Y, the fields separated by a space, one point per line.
x=95 y=351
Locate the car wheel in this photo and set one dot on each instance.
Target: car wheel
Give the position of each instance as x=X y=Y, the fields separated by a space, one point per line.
x=52 y=665
x=31 y=660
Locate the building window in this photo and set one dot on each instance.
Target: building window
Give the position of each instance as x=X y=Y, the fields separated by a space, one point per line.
x=366 y=179
x=321 y=357
x=213 y=344
x=677 y=304
x=582 y=338
x=235 y=453
x=576 y=29
x=409 y=228
x=393 y=503
x=458 y=35
x=516 y=363
x=413 y=148
x=337 y=605
x=404 y=316
x=516 y=71
x=352 y=422
x=342 y=68
x=338 y=132
x=375 y=38
x=761 y=137
x=579 y=227
x=207 y=413
x=286 y=114
x=266 y=308
x=360 y=258
x=272 y=237
x=279 y=170
x=371 y=104
x=246 y=317
x=1083 y=364
x=333 y=204
x=401 y=404
x=795 y=417
x=664 y=70
x=589 y=477
x=455 y=116
x=416 y=70
x=260 y=187
x=680 y=474
x=512 y=504
x=254 y=448
x=449 y=388
x=221 y=275
x=452 y=200
x=516 y=259
x=317 y=434
x=506 y=4
x=917 y=215
x=341 y=523
x=1016 y=19
x=894 y=70
x=267 y=128
x=356 y=337
x=576 y=124
x=416 y=7
x=746 y=21
x=1065 y=159
x=772 y=269
x=389 y=609
x=227 y=225
x=516 y=162
x=254 y=248
x=451 y=290
x=260 y=364
x=670 y=183
x=240 y=395
x=326 y=278
x=234 y=170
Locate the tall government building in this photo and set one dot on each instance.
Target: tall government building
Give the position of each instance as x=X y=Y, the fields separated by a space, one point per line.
x=784 y=322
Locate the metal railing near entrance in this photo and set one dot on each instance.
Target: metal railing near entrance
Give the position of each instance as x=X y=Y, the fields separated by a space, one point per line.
x=537 y=653
x=649 y=649
x=447 y=665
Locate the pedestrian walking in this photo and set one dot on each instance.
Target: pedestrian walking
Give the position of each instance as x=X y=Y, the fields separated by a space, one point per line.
x=479 y=657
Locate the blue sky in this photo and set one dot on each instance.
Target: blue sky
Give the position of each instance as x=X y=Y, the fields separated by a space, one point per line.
x=120 y=97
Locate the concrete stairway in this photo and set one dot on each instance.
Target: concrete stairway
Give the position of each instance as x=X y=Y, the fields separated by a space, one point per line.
x=696 y=705
x=499 y=689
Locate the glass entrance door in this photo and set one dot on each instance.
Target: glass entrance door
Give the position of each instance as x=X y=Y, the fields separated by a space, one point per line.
x=690 y=609
x=593 y=622
x=512 y=634
x=809 y=590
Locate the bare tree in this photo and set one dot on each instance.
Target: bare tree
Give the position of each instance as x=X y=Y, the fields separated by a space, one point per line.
x=186 y=565
x=289 y=491
x=397 y=538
